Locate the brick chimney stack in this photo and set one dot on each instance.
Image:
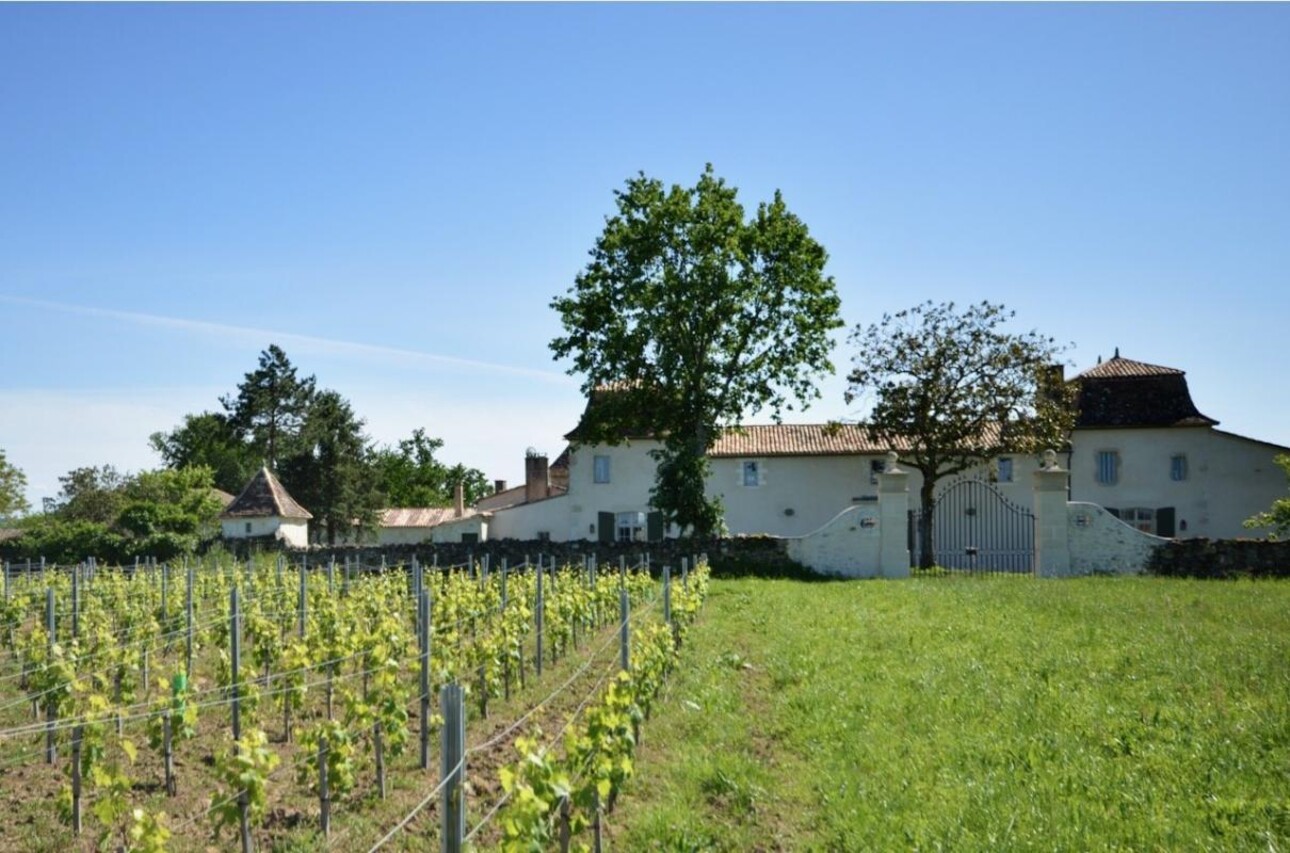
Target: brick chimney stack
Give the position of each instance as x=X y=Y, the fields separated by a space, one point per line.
x=536 y=484
x=499 y=486
x=459 y=499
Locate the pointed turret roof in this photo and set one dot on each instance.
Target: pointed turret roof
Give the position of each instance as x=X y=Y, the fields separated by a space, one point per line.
x=264 y=496
x=1126 y=368
x=1121 y=392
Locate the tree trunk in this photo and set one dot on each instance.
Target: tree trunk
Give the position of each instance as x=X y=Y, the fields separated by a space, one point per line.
x=926 y=550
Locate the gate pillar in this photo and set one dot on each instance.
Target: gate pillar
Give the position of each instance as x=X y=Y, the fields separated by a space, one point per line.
x=1052 y=534
x=893 y=521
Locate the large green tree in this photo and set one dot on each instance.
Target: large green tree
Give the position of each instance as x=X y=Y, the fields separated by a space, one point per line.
x=91 y=493
x=331 y=474
x=952 y=389
x=13 y=488
x=210 y=440
x=689 y=316
x=409 y=475
x=113 y=516
x=270 y=407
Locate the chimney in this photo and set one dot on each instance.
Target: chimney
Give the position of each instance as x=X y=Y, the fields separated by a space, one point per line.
x=459 y=499
x=536 y=485
x=499 y=486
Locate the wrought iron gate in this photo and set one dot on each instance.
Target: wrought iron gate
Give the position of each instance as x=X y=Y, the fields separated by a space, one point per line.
x=975 y=529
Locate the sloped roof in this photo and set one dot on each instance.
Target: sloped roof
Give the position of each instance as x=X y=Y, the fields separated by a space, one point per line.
x=795 y=440
x=1117 y=367
x=501 y=500
x=222 y=496
x=516 y=495
x=619 y=404
x=810 y=440
x=263 y=497
x=1121 y=392
x=423 y=516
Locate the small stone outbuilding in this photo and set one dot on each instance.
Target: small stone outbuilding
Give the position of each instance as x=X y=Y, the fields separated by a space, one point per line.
x=264 y=508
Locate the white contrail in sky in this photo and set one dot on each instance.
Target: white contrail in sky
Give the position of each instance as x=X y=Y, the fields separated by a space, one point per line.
x=327 y=345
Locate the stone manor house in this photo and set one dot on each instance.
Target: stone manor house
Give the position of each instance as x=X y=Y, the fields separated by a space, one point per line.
x=1140 y=449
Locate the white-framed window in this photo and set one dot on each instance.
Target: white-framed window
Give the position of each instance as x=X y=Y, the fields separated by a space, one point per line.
x=630 y=527
x=1178 y=467
x=1108 y=467
x=600 y=469
x=876 y=467
x=750 y=473
x=248 y=528
x=1003 y=469
x=1139 y=517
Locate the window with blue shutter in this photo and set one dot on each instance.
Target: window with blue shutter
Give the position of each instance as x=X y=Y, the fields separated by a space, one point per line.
x=600 y=469
x=1108 y=467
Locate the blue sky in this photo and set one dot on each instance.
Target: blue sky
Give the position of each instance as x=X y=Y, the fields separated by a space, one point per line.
x=395 y=193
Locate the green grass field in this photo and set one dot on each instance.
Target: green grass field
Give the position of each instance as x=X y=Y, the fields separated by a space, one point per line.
x=1093 y=714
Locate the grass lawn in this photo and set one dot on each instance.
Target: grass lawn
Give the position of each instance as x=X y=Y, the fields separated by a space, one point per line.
x=972 y=714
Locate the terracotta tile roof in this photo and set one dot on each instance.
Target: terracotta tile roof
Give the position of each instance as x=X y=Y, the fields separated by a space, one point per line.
x=797 y=440
x=264 y=496
x=422 y=516
x=1125 y=368
x=1121 y=392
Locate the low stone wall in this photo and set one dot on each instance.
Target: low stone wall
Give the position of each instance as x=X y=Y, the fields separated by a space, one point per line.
x=741 y=555
x=1101 y=543
x=1222 y=558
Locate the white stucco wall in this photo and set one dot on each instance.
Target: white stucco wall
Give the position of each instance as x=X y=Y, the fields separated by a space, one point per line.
x=449 y=531
x=1100 y=542
x=795 y=495
x=1229 y=478
x=526 y=521
x=848 y=545
x=293 y=531
x=631 y=476
x=815 y=488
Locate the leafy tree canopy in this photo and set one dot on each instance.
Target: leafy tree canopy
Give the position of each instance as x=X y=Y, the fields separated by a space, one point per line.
x=951 y=389
x=112 y=516
x=694 y=315
x=209 y=439
x=331 y=474
x=270 y=407
x=91 y=494
x=408 y=474
x=13 y=488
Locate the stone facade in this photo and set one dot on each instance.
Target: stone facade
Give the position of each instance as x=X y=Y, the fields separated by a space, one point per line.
x=757 y=555
x=1222 y=558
